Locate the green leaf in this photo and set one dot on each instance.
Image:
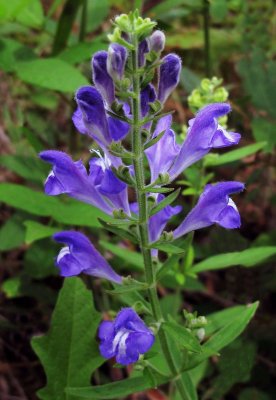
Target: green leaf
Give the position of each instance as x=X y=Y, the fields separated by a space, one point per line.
x=234 y=366
x=165 y=202
x=30 y=168
x=219 y=319
x=97 y=12
x=36 y=231
x=81 y=52
x=190 y=389
x=131 y=287
x=69 y=351
x=12 y=233
x=264 y=130
x=13 y=52
x=234 y=155
x=154 y=140
x=158 y=190
x=167 y=266
x=182 y=336
x=131 y=257
x=26 y=12
x=70 y=212
x=224 y=336
x=167 y=248
x=39 y=260
x=218 y=10
x=115 y=389
x=51 y=73
x=123 y=233
x=247 y=258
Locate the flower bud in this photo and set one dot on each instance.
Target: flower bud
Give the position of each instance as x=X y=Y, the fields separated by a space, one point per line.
x=157 y=41
x=123 y=22
x=200 y=333
x=116 y=60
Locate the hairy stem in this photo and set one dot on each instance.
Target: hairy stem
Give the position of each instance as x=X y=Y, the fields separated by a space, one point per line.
x=137 y=148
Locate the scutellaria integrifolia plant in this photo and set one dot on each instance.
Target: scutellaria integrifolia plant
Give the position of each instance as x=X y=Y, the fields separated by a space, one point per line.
x=122 y=113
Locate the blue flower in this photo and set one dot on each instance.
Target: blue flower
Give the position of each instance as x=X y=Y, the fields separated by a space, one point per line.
x=90 y=118
x=162 y=155
x=116 y=60
x=101 y=187
x=214 y=207
x=169 y=74
x=81 y=256
x=125 y=338
x=101 y=78
x=203 y=134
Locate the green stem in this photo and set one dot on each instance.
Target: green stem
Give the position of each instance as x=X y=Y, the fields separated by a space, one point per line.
x=150 y=273
x=83 y=21
x=206 y=24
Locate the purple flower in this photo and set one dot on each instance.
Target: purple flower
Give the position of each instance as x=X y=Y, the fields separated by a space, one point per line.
x=116 y=60
x=157 y=41
x=162 y=155
x=158 y=221
x=81 y=256
x=214 y=206
x=142 y=51
x=71 y=178
x=148 y=95
x=102 y=177
x=125 y=338
x=203 y=134
x=101 y=77
x=169 y=75
x=90 y=118
x=101 y=187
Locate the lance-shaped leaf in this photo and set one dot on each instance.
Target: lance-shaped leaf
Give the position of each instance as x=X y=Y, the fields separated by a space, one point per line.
x=165 y=202
x=182 y=336
x=224 y=336
x=69 y=352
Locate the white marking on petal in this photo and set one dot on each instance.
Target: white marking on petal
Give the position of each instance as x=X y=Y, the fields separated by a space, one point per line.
x=62 y=253
x=120 y=341
x=51 y=175
x=232 y=204
x=226 y=134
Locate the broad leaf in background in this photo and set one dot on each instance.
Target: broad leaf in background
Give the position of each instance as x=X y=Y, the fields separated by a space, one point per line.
x=131 y=257
x=246 y=258
x=82 y=51
x=26 y=12
x=69 y=351
x=69 y=212
x=234 y=366
x=212 y=160
x=12 y=233
x=39 y=260
x=227 y=334
x=13 y=52
x=36 y=231
x=114 y=390
x=97 y=12
x=51 y=73
x=29 y=168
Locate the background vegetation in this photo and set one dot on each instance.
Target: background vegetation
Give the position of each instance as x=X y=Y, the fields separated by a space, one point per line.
x=45 y=52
